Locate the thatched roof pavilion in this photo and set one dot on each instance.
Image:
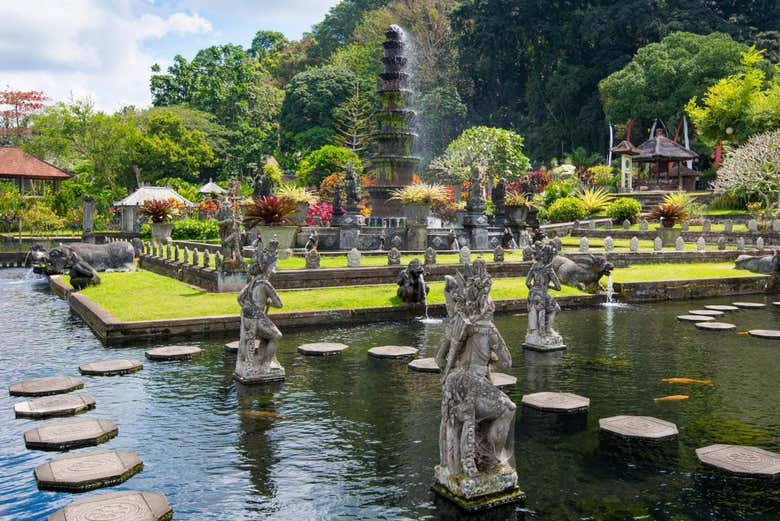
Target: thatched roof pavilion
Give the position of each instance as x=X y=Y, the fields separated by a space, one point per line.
x=661 y=150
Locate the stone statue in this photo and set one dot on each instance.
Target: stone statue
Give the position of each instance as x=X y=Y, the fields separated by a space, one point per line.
x=262 y=184
x=393 y=257
x=411 y=283
x=475 y=456
x=542 y=307
x=352 y=189
x=353 y=258
x=256 y=362
x=313 y=242
x=476 y=201
x=767 y=264
x=312 y=259
x=498 y=195
x=452 y=240
x=584 y=272
x=230 y=230
x=508 y=239
x=115 y=256
x=430 y=256
x=498 y=254
x=338 y=209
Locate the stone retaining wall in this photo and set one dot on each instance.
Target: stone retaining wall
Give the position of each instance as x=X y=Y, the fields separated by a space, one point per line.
x=770 y=238
x=12 y=259
x=691 y=289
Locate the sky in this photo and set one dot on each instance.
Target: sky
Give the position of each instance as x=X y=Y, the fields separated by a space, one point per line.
x=103 y=49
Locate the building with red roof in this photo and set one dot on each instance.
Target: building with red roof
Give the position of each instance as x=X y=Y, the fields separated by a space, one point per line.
x=28 y=172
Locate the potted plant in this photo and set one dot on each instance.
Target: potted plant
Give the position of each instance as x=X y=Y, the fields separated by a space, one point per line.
x=271 y=214
x=517 y=205
x=161 y=212
x=417 y=200
x=302 y=197
x=669 y=214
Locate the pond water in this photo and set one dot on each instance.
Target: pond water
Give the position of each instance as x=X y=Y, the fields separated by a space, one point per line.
x=351 y=437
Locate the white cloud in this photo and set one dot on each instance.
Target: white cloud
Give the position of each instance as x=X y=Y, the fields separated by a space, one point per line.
x=86 y=47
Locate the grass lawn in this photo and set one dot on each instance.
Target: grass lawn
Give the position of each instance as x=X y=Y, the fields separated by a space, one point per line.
x=683 y=271
x=142 y=295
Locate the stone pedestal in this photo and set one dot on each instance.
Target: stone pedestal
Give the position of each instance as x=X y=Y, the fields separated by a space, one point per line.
x=130 y=219
x=481 y=492
x=88 y=217
x=349 y=231
x=416 y=237
x=251 y=366
x=668 y=236
x=231 y=281
x=476 y=225
x=538 y=342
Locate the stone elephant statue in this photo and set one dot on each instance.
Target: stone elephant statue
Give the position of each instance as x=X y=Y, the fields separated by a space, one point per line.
x=584 y=273
x=113 y=256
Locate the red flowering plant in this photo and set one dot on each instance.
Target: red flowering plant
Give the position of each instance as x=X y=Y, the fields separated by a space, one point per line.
x=208 y=206
x=319 y=214
x=269 y=211
x=161 y=210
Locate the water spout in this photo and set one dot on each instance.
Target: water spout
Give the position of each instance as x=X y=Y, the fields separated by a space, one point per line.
x=610 y=290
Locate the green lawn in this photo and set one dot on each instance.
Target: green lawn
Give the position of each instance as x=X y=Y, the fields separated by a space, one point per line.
x=142 y=295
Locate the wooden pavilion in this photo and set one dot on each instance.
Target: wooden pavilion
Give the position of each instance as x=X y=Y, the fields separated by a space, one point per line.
x=29 y=173
x=665 y=153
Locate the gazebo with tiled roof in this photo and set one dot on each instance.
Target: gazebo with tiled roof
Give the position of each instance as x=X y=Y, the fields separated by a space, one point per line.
x=28 y=172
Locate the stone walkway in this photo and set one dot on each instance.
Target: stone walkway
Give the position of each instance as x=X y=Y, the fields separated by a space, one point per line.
x=322 y=349
x=173 y=353
x=45 y=386
x=71 y=434
x=111 y=367
x=117 y=506
x=392 y=351
x=715 y=326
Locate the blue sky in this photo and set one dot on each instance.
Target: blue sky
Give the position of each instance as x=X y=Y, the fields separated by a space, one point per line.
x=104 y=48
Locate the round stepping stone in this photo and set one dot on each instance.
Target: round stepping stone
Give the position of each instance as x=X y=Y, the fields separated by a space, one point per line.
x=694 y=318
x=392 y=351
x=719 y=307
x=773 y=334
x=749 y=305
x=741 y=459
x=232 y=346
x=111 y=367
x=45 y=386
x=556 y=402
x=715 y=326
x=776 y=304
x=173 y=353
x=639 y=427
x=117 y=506
x=424 y=365
x=51 y=406
x=88 y=470
x=68 y=435
x=502 y=379
x=322 y=348
x=706 y=312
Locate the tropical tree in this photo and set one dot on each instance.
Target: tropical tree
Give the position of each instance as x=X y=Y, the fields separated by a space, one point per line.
x=740 y=105
x=16 y=109
x=754 y=169
x=323 y=162
x=496 y=150
x=354 y=121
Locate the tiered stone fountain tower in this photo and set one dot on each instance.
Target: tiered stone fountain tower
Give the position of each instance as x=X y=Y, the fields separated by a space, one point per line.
x=394 y=164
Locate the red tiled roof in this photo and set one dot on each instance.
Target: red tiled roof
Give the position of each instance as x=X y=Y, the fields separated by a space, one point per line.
x=14 y=162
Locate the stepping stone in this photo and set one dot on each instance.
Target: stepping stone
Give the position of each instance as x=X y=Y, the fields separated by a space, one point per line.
x=232 y=346
x=424 y=365
x=694 y=318
x=776 y=304
x=66 y=435
x=111 y=367
x=51 y=406
x=741 y=459
x=639 y=427
x=719 y=307
x=773 y=334
x=392 y=351
x=715 y=326
x=322 y=348
x=88 y=470
x=117 y=506
x=45 y=386
x=706 y=312
x=556 y=402
x=749 y=305
x=173 y=353
x=502 y=379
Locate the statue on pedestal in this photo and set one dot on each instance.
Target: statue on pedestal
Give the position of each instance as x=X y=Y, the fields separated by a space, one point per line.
x=411 y=283
x=262 y=184
x=352 y=189
x=256 y=362
x=542 y=307
x=313 y=242
x=230 y=230
x=475 y=469
x=498 y=195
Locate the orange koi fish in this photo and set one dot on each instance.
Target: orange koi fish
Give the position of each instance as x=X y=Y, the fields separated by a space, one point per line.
x=686 y=381
x=672 y=398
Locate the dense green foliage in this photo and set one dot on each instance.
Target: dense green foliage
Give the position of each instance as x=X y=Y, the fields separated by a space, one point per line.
x=325 y=161
x=195 y=230
x=498 y=151
x=567 y=209
x=624 y=208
